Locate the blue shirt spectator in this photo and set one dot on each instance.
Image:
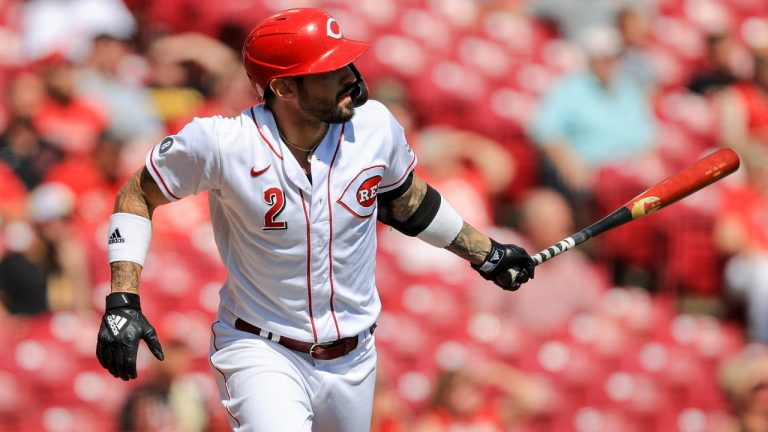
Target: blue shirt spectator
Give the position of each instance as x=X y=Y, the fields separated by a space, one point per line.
x=602 y=124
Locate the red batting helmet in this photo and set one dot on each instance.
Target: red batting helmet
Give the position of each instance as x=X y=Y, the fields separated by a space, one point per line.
x=296 y=42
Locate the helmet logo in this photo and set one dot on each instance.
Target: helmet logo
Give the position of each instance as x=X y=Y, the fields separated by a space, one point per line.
x=332 y=29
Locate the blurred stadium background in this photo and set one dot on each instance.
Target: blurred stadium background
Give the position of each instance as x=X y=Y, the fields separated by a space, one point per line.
x=657 y=326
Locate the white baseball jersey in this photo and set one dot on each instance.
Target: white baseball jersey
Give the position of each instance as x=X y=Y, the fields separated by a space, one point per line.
x=300 y=255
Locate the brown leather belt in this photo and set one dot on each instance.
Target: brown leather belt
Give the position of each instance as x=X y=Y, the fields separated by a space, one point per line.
x=320 y=351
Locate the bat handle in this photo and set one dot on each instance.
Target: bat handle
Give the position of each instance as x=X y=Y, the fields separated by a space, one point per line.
x=556 y=249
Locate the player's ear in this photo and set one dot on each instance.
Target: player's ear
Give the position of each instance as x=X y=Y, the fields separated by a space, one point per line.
x=284 y=88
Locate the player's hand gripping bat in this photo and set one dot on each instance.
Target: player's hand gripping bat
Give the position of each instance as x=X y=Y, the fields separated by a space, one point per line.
x=704 y=172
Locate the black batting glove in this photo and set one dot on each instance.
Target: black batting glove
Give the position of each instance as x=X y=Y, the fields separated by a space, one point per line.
x=508 y=266
x=122 y=327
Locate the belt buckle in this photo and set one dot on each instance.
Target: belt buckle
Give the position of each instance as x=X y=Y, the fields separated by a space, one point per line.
x=319 y=345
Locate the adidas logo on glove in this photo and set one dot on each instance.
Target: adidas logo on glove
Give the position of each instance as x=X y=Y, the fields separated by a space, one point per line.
x=116 y=323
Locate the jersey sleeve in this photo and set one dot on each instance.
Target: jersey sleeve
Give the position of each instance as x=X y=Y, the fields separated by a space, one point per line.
x=188 y=162
x=402 y=158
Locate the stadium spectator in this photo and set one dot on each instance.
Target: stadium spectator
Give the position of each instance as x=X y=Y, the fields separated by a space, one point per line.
x=636 y=28
x=68 y=26
x=744 y=379
x=25 y=94
x=743 y=108
x=464 y=399
x=741 y=232
x=49 y=273
x=68 y=121
x=230 y=93
x=94 y=180
x=572 y=17
x=169 y=400
x=719 y=70
x=26 y=152
x=109 y=77
x=592 y=119
x=184 y=70
x=471 y=168
x=577 y=283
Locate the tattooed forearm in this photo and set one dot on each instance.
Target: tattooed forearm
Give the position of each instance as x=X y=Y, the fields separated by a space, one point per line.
x=130 y=198
x=125 y=276
x=135 y=197
x=470 y=244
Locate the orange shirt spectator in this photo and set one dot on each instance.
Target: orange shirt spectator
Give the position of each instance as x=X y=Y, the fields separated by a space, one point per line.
x=74 y=127
x=65 y=119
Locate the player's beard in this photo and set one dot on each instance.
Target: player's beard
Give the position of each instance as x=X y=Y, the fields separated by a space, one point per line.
x=338 y=111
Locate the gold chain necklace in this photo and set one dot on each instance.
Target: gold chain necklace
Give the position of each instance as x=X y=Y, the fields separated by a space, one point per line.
x=309 y=151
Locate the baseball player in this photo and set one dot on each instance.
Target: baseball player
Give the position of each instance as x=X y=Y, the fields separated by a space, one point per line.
x=295 y=185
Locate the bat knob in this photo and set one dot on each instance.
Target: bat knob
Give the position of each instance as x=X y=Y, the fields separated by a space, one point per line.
x=513 y=278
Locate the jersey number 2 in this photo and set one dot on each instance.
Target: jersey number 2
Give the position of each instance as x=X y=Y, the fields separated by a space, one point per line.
x=276 y=200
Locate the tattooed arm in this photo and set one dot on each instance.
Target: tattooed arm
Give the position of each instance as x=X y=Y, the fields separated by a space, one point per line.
x=123 y=325
x=507 y=265
x=140 y=195
x=470 y=244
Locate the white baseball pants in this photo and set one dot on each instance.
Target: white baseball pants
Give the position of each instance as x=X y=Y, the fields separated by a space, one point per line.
x=266 y=387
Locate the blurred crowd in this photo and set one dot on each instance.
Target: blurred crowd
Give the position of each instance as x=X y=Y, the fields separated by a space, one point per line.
x=533 y=118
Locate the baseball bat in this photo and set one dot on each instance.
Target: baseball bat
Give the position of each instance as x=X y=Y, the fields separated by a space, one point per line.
x=704 y=172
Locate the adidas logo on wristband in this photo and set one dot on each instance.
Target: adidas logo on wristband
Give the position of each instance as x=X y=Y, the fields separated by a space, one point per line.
x=115 y=237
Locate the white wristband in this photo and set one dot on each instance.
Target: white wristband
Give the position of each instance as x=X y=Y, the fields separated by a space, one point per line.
x=444 y=227
x=129 y=237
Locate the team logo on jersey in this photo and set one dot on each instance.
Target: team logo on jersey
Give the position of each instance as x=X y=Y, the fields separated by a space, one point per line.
x=359 y=197
x=166 y=145
x=366 y=193
x=332 y=29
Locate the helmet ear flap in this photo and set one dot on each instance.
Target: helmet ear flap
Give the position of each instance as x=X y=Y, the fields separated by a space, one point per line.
x=360 y=93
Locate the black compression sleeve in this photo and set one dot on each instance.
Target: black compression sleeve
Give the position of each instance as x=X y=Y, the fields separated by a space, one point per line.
x=421 y=218
x=389 y=196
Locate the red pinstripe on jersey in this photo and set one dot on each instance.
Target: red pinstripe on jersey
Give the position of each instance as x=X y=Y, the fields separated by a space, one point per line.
x=269 y=144
x=309 y=267
x=330 y=221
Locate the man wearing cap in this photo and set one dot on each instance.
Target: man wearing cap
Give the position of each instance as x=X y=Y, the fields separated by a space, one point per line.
x=295 y=186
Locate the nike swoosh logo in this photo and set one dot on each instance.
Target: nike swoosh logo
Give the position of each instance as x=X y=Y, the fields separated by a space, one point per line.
x=255 y=173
